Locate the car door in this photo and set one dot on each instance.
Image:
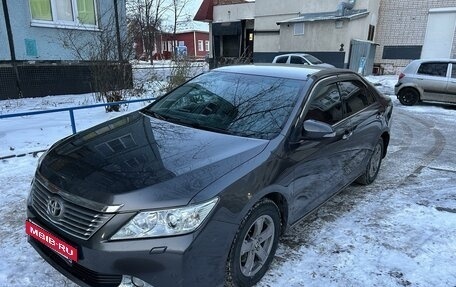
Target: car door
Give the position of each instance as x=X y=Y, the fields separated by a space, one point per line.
x=317 y=164
x=432 y=78
x=363 y=113
x=451 y=86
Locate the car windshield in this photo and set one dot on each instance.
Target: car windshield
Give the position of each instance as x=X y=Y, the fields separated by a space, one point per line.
x=238 y=104
x=313 y=60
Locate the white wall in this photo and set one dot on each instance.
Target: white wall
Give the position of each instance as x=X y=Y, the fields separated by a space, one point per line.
x=232 y=13
x=319 y=35
x=439 y=38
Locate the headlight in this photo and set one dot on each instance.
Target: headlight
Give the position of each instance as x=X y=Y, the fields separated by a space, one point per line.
x=166 y=222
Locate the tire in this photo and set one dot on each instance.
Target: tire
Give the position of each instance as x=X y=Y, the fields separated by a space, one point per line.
x=373 y=165
x=408 y=96
x=254 y=245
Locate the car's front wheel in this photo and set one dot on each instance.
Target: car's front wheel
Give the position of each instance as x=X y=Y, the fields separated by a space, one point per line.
x=408 y=96
x=254 y=245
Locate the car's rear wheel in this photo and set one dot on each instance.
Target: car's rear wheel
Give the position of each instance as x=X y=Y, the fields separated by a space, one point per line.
x=254 y=245
x=373 y=166
x=408 y=96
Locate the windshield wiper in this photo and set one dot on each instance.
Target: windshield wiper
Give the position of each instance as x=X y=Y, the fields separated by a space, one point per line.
x=197 y=125
x=193 y=124
x=155 y=115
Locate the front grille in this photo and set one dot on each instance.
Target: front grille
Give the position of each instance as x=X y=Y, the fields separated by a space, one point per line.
x=88 y=276
x=76 y=220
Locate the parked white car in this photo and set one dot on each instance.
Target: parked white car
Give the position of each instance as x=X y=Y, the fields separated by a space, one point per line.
x=300 y=59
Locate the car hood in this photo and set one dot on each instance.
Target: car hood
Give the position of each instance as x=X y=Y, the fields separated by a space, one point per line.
x=141 y=162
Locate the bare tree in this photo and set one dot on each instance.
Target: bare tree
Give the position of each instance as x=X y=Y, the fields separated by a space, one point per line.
x=102 y=53
x=148 y=16
x=178 y=10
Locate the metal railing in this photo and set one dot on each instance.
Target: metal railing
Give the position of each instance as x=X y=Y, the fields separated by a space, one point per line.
x=72 y=109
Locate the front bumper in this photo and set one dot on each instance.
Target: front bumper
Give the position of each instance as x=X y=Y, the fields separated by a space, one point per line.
x=196 y=259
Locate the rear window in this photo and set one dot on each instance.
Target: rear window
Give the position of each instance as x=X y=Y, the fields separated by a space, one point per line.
x=282 y=60
x=433 y=69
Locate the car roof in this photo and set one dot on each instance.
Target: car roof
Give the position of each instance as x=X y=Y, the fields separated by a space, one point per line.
x=293 y=54
x=298 y=72
x=289 y=71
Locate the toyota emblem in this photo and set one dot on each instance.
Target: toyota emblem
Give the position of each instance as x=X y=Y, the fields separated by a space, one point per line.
x=55 y=208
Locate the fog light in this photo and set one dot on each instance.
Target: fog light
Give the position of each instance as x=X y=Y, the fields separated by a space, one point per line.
x=130 y=281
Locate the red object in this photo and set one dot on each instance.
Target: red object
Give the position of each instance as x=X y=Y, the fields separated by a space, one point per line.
x=401 y=75
x=51 y=241
x=205 y=12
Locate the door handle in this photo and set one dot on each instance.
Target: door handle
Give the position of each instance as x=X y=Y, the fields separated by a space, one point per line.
x=347 y=134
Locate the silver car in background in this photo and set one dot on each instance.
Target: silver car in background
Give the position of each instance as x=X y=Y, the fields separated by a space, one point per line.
x=432 y=80
x=300 y=59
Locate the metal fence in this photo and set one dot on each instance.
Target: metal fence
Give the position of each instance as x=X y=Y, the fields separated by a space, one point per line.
x=38 y=79
x=71 y=110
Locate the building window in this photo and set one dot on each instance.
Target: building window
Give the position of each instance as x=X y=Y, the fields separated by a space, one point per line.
x=200 y=45
x=298 y=28
x=63 y=13
x=402 y=52
x=207 y=45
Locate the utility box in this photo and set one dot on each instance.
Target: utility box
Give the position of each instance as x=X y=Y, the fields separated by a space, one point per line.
x=362 y=56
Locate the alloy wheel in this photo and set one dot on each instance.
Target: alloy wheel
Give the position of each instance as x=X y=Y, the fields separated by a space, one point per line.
x=257 y=245
x=375 y=161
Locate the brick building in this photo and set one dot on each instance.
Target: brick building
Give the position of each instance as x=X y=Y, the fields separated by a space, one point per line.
x=196 y=43
x=193 y=43
x=407 y=29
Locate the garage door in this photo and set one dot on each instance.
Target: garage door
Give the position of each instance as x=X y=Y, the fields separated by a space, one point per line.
x=438 y=41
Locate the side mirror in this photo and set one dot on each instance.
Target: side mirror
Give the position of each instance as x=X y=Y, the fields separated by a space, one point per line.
x=313 y=129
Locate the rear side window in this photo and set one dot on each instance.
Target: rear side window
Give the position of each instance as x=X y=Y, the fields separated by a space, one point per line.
x=433 y=69
x=355 y=97
x=326 y=106
x=282 y=60
x=297 y=60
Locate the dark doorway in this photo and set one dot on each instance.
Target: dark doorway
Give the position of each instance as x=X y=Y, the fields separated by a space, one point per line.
x=230 y=45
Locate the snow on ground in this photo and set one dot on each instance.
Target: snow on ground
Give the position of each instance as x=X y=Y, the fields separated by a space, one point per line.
x=399 y=231
x=374 y=237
